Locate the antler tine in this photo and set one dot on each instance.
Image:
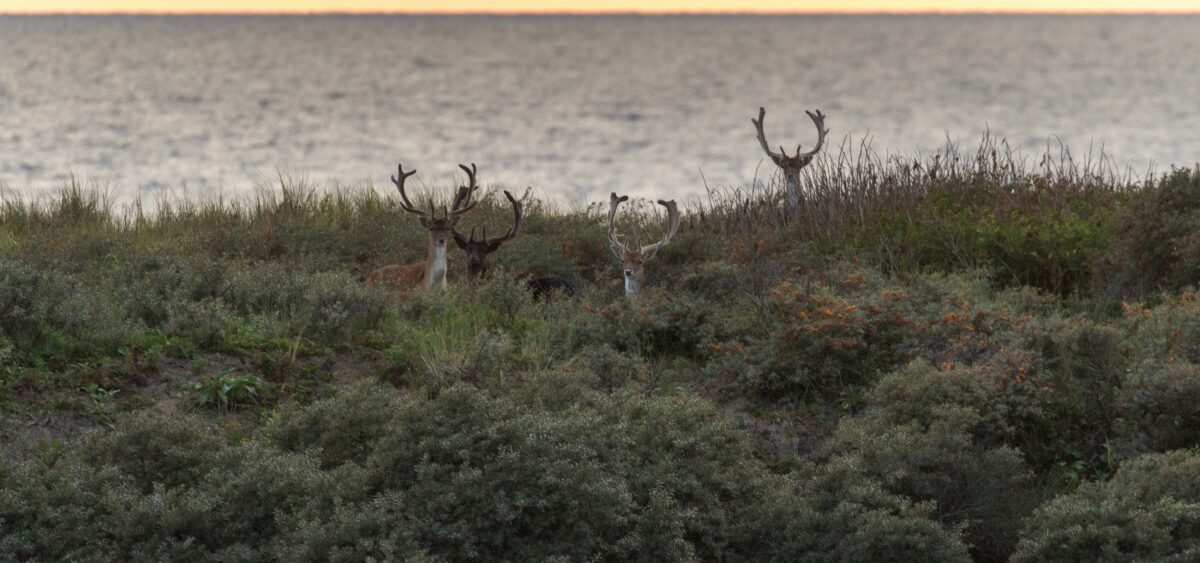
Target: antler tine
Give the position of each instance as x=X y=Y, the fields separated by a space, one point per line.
x=818 y=119
x=516 y=205
x=673 y=220
x=762 y=137
x=472 y=239
x=404 y=201
x=613 y=240
x=464 y=192
x=470 y=173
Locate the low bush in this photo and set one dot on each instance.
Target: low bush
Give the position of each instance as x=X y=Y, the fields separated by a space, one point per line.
x=18 y=302
x=1160 y=408
x=462 y=476
x=1166 y=332
x=655 y=324
x=1027 y=234
x=1155 y=243
x=849 y=326
x=1149 y=511
x=931 y=437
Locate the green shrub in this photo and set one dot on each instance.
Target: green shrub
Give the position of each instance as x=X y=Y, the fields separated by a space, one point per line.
x=206 y=322
x=265 y=287
x=847 y=327
x=1156 y=246
x=154 y=447
x=1160 y=407
x=656 y=323
x=842 y=515
x=18 y=301
x=1025 y=234
x=462 y=475
x=1150 y=511
x=370 y=531
x=933 y=456
x=611 y=368
x=1168 y=332
x=1056 y=405
x=94 y=318
x=336 y=303
x=338 y=430
x=159 y=283
x=56 y=511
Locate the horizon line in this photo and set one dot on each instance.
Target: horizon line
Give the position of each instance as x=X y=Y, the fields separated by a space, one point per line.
x=622 y=13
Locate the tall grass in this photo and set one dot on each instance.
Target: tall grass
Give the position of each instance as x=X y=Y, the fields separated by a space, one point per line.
x=852 y=185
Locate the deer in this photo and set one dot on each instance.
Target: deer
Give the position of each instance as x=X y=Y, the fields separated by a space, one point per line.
x=791 y=165
x=478 y=250
x=634 y=258
x=429 y=273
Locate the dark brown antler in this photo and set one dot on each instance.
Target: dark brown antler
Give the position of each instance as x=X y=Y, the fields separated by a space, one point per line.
x=464 y=194
x=495 y=243
x=404 y=201
x=614 y=240
x=673 y=218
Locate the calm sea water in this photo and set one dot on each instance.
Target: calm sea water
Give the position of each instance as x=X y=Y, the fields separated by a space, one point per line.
x=575 y=106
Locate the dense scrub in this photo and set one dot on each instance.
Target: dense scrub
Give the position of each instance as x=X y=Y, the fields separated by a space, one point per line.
x=947 y=360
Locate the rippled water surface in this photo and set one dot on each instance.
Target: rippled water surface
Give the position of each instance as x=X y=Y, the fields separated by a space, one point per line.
x=576 y=106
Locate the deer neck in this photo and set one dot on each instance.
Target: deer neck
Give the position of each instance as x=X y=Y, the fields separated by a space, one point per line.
x=792 y=180
x=633 y=284
x=435 y=265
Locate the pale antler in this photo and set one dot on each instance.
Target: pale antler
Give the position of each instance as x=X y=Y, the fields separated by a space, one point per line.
x=673 y=218
x=613 y=240
x=404 y=201
x=817 y=118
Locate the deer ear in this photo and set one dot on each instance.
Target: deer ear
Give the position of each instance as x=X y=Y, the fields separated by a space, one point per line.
x=494 y=246
x=649 y=253
x=425 y=222
x=459 y=240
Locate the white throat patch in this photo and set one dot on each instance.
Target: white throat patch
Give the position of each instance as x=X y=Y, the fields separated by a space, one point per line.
x=437 y=270
x=631 y=287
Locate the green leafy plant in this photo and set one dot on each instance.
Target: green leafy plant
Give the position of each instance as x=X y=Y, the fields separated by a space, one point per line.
x=226 y=391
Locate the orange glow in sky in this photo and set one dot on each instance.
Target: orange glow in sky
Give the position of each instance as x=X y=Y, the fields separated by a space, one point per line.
x=306 y=6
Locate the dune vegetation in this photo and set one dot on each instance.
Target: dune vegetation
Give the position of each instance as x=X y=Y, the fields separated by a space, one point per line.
x=949 y=358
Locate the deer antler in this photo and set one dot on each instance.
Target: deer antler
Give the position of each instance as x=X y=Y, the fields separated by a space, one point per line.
x=782 y=157
x=613 y=240
x=404 y=201
x=496 y=242
x=464 y=193
x=673 y=218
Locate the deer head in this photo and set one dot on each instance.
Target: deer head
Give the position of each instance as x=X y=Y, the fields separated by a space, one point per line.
x=440 y=228
x=634 y=258
x=791 y=165
x=478 y=250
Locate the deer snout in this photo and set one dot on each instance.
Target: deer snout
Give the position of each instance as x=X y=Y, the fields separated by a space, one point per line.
x=628 y=273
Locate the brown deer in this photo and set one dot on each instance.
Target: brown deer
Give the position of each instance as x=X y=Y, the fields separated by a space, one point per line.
x=791 y=165
x=634 y=258
x=431 y=272
x=478 y=250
